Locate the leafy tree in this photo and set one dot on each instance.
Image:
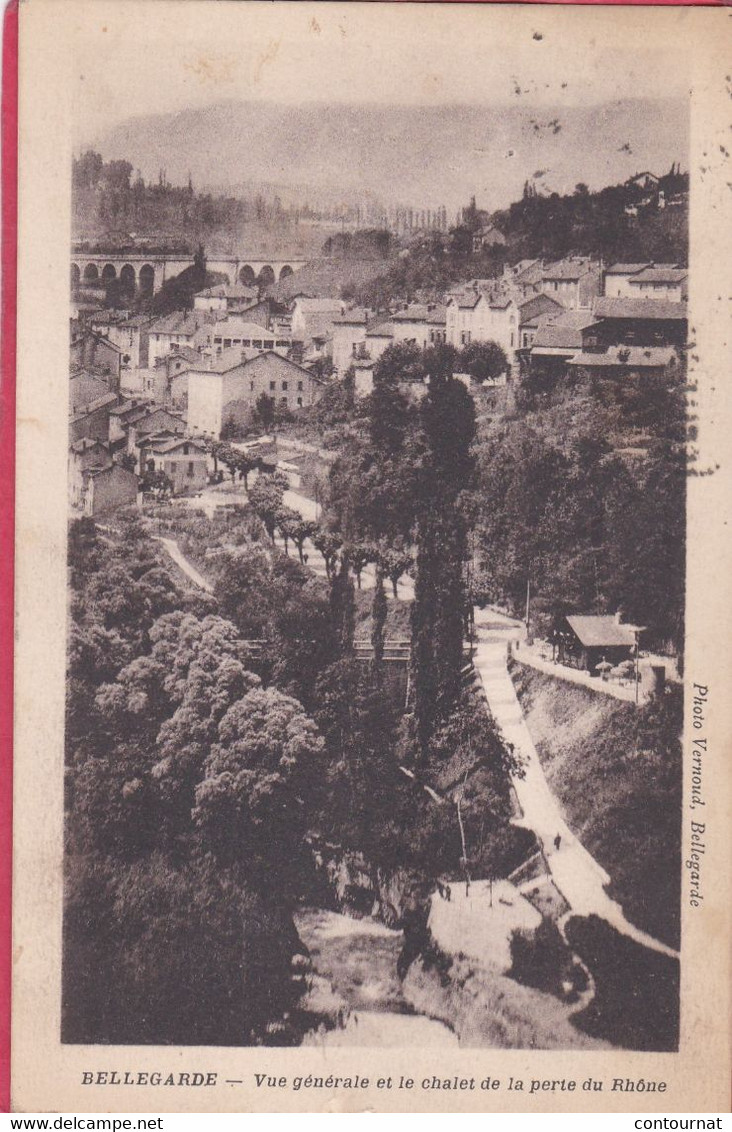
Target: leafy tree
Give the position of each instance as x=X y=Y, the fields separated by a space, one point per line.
x=360 y=554
x=329 y=544
x=300 y=530
x=264 y=408
x=395 y=562
x=265 y=497
x=484 y=361
x=249 y=804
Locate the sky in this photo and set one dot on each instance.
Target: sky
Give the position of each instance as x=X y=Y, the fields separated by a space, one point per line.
x=137 y=57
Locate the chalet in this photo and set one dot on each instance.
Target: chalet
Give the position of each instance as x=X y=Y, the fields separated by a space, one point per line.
x=556 y=341
x=183 y=460
x=586 y=641
x=635 y=322
x=619 y=360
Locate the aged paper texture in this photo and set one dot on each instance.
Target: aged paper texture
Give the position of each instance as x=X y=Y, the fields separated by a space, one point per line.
x=433 y=299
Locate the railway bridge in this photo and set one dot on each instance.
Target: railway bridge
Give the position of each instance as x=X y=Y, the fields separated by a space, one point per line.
x=145 y=272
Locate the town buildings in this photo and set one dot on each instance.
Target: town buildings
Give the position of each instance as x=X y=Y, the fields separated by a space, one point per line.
x=231 y=384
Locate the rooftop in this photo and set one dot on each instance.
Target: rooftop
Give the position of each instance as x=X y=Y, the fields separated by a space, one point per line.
x=181 y=322
x=599 y=631
x=639 y=308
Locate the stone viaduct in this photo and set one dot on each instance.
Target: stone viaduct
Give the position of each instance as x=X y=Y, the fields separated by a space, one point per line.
x=146 y=272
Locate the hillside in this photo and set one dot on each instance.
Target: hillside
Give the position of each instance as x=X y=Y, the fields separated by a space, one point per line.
x=617 y=773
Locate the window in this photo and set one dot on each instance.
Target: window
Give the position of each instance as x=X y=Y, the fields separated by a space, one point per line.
x=283 y=400
x=251 y=386
x=227 y=343
x=284 y=386
x=173 y=467
x=217 y=341
x=185 y=449
x=272 y=386
x=299 y=402
x=190 y=468
x=300 y=386
x=512 y=339
x=282 y=342
x=257 y=343
x=269 y=345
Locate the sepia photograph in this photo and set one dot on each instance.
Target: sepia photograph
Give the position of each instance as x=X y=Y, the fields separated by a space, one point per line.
x=381 y=423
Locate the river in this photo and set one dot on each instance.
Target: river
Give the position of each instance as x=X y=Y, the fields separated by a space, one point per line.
x=358 y=959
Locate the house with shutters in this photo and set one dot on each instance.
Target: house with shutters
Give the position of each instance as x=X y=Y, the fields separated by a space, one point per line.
x=183 y=459
x=483 y=312
x=230 y=385
x=665 y=281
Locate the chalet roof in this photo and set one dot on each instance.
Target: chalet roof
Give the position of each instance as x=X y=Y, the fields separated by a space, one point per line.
x=163 y=445
x=567 y=269
x=599 y=631
x=415 y=312
x=626 y=357
x=532 y=273
x=241 y=328
x=146 y=419
x=625 y=268
x=437 y=316
x=186 y=353
x=660 y=273
x=563 y=331
x=181 y=322
x=128 y=407
x=380 y=330
x=268 y=356
x=86 y=443
x=357 y=316
x=654 y=309
x=92 y=406
x=538 y=305
x=111 y=469
x=319 y=306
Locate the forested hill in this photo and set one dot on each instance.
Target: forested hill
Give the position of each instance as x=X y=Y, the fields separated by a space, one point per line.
x=620 y=223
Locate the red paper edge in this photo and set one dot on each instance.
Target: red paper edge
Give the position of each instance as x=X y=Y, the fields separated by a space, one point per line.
x=8 y=294
x=7 y=513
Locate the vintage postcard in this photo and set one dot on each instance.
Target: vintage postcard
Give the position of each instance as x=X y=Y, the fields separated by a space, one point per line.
x=373 y=619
